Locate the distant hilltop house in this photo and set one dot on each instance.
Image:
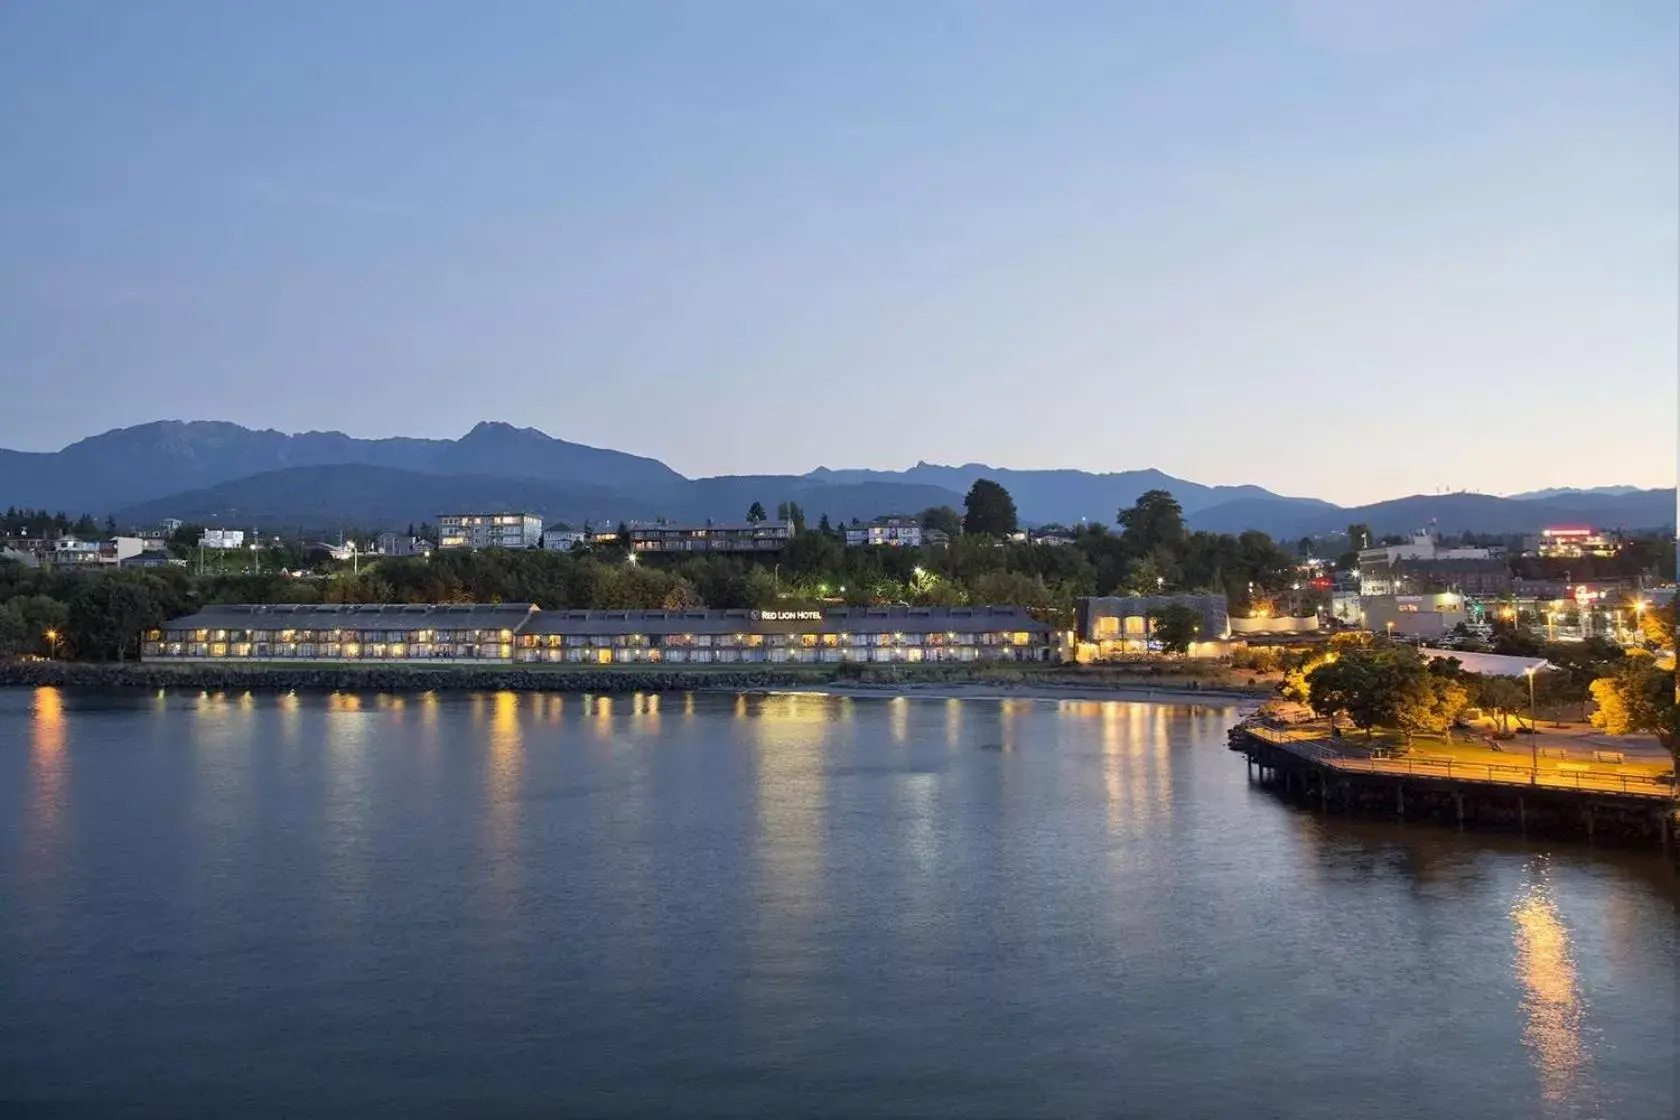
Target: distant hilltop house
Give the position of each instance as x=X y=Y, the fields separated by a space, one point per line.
x=563 y=538
x=489 y=530
x=887 y=532
x=746 y=536
x=222 y=538
x=401 y=544
x=69 y=552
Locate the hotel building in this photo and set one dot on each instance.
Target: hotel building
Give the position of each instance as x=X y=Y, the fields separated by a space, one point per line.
x=521 y=633
x=287 y=632
x=1116 y=625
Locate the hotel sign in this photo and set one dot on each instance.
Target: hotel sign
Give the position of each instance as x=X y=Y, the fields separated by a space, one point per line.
x=787 y=616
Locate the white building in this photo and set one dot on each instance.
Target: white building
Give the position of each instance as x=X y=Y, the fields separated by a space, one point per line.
x=886 y=532
x=222 y=538
x=1412 y=616
x=564 y=540
x=489 y=530
x=69 y=552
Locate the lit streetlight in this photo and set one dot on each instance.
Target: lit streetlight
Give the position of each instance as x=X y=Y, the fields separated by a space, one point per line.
x=52 y=643
x=1533 y=732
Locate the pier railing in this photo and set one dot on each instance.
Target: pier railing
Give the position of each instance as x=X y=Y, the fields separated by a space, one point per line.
x=1317 y=748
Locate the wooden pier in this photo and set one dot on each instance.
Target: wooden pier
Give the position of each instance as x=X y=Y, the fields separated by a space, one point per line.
x=1333 y=775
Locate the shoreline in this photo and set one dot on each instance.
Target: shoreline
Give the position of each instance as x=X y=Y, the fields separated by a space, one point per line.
x=943 y=682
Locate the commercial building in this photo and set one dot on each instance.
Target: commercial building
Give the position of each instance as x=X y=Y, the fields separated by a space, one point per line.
x=886 y=532
x=489 y=530
x=1401 y=568
x=1412 y=616
x=1571 y=542
x=748 y=536
x=222 y=538
x=1115 y=625
x=521 y=632
x=288 y=632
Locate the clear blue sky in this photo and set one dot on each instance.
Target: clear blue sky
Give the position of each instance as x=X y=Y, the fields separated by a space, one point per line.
x=1340 y=248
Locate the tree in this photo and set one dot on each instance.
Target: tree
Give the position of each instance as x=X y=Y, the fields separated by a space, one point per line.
x=990 y=510
x=943 y=518
x=1501 y=695
x=1639 y=697
x=1366 y=682
x=1175 y=626
x=1155 y=521
x=25 y=621
x=796 y=516
x=107 y=616
x=755 y=513
x=1359 y=536
x=1657 y=625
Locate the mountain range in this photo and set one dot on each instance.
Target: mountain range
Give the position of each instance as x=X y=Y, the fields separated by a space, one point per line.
x=221 y=473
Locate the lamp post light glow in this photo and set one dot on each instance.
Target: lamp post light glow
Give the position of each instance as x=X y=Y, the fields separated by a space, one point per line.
x=52 y=643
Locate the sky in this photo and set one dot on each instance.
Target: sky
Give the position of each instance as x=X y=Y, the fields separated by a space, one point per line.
x=1350 y=249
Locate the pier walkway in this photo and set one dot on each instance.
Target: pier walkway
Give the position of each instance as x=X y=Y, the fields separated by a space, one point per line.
x=1350 y=756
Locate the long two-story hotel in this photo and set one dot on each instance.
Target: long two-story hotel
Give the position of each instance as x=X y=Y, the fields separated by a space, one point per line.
x=521 y=633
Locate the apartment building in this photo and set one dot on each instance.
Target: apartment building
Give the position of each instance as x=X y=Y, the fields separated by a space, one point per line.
x=489 y=530
x=748 y=536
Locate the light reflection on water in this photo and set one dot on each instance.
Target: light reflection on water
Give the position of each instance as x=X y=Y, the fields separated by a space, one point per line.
x=817 y=893
x=1552 y=1004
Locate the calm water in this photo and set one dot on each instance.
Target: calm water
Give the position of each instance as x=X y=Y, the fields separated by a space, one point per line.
x=785 y=905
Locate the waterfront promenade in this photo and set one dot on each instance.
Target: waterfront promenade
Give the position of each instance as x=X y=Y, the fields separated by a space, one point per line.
x=1467 y=762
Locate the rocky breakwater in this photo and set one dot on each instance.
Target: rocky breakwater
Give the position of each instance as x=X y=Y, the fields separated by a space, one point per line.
x=392 y=678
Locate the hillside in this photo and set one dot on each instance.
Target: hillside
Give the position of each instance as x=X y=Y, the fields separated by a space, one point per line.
x=225 y=473
x=327 y=497
x=1452 y=513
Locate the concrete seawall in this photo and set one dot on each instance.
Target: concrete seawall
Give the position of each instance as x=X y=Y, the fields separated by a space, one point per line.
x=1048 y=680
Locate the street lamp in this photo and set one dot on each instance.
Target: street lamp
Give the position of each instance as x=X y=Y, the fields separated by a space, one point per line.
x=1533 y=732
x=1390 y=627
x=52 y=643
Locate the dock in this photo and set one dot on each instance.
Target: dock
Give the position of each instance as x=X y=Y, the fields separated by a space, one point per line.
x=1332 y=774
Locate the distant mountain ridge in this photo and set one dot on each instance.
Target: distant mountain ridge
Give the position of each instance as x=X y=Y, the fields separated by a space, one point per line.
x=130 y=465
x=1067 y=496
x=1574 y=492
x=224 y=473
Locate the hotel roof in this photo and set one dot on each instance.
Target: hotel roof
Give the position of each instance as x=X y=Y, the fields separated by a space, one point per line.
x=356 y=616
x=835 y=620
